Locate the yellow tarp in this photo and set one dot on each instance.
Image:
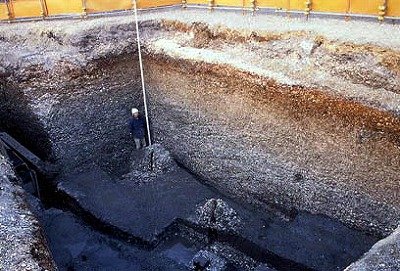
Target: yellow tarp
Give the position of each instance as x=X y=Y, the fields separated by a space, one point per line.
x=297 y=4
x=3 y=11
x=153 y=3
x=25 y=8
x=55 y=7
x=32 y=8
x=365 y=6
x=283 y=4
x=93 y=6
x=393 y=8
x=232 y=3
x=202 y=2
x=337 y=6
x=369 y=7
x=239 y=3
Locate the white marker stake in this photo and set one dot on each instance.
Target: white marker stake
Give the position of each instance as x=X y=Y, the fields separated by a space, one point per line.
x=141 y=74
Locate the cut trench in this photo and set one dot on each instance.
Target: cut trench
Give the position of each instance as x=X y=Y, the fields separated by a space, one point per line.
x=208 y=146
x=196 y=235
x=19 y=120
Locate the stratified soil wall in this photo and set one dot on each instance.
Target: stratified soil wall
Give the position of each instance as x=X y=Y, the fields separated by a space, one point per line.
x=289 y=147
x=246 y=124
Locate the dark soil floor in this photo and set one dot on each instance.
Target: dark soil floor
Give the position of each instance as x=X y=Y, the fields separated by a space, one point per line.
x=144 y=208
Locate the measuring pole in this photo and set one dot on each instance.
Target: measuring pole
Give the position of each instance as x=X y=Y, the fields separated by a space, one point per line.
x=142 y=74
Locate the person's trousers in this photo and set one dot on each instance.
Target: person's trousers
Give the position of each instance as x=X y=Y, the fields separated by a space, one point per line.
x=140 y=143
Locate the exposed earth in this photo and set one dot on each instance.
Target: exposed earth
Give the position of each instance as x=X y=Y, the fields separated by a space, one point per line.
x=297 y=120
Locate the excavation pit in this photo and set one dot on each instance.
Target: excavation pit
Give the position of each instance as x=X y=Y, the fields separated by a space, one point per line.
x=300 y=136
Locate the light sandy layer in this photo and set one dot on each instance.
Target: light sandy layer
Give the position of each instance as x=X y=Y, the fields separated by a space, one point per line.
x=360 y=32
x=51 y=43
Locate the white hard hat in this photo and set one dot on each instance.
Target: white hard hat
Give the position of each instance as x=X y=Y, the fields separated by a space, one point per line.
x=134 y=111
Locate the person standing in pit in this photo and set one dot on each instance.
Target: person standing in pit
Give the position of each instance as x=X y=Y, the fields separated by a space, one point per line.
x=136 y=125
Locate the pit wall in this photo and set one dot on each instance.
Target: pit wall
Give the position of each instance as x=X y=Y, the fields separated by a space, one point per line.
x=29 y=131
x=289 y=147
x=15 y=9
x=275 y=146
x=22 y=243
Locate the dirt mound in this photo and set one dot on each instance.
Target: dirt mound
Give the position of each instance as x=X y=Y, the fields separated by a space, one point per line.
x=201 y=35
x=217 y=214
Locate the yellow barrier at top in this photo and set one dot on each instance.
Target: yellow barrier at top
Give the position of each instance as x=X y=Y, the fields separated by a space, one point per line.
x=94 y=6
x=393 y=8
x=154 y=4
x=25 y=8
x=3 y=11
x=57 y=7
x=332 y=6
x=365 y=6
x=14 y=9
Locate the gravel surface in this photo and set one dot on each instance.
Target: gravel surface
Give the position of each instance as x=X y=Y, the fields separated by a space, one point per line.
x=217 y=214
x=22 y=245
x=384 y=255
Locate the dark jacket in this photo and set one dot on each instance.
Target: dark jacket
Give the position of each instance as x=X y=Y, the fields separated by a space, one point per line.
x=137 y=127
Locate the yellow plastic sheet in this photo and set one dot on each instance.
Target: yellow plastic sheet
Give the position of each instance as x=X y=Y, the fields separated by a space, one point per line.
x=365 y=6
x=154 y=3
x=231 y=3
x=25 y=8
x=93 y=6
x=33 y=8
x=282 y=4
x=56 y=7
x=200 y=2
x=393 y=9
x=297 y=4
x=3 y=11
x=337 y=6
